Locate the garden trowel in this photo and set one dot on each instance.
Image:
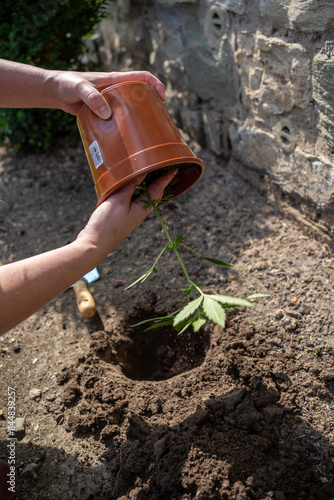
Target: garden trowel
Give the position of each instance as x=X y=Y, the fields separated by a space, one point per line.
x=85 y=300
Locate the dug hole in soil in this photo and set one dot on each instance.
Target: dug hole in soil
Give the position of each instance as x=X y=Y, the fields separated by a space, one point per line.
x=113 y=412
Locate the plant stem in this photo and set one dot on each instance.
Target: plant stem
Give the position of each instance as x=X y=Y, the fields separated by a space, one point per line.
x=188 y=248
x=172 y=243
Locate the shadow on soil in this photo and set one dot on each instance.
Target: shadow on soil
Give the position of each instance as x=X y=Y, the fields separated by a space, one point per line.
x=231 y=446
x=148 y=355
x=246 y=443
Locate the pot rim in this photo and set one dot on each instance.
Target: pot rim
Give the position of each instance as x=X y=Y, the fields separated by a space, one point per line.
x=121 y=84
x=147 y=170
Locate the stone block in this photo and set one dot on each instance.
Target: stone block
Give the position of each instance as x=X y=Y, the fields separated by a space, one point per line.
x=165 y=34
x=173 y=71
x=192 y=122
x=311 y=178
x=208 y=72
x=275 y=75
x=213 y=126
x=323 y=91
x=237 y=6
x=254 y=147
x=286 y=78
x=275 y=11
x=298 y=173
x=309 y=16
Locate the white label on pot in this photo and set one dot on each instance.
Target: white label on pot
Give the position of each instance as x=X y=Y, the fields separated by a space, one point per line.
x=96 y=154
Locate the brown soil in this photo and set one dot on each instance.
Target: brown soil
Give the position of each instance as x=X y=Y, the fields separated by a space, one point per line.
x=241 y=413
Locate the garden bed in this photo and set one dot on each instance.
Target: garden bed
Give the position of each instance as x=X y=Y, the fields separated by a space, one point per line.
x=119 y=413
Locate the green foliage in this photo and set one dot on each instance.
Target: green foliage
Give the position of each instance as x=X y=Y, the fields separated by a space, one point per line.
x=201 y=307
x=48 y=34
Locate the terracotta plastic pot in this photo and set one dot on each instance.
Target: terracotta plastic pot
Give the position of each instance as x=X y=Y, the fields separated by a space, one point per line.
x=140 y=137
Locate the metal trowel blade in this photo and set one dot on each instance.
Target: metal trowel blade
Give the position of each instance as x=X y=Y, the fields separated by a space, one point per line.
x=91 y=276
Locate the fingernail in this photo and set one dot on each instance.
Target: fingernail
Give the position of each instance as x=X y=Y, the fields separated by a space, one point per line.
x=105 y=112
x=161 y=91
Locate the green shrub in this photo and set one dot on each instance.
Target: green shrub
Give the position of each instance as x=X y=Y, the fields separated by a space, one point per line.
x=48 y=34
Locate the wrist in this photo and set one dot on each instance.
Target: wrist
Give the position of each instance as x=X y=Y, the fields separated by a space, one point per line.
x=53 y=83
x=86 y=251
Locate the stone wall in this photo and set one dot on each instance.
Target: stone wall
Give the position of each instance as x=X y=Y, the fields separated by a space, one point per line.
x=252 y=80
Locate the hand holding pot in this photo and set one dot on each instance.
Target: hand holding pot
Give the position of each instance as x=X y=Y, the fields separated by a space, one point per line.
x=27 y=86
x=74 y=89
x=118 y=216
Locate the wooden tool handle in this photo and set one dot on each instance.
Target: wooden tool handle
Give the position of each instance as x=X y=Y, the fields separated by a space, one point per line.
x=85 y=301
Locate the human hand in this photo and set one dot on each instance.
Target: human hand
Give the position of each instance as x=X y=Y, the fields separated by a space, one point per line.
x=75 y=88
x=118 y=216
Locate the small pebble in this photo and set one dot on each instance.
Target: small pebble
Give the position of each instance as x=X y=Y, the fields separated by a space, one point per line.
x=289 y=324
x=35 y=393
x=20 y=424
x=278 y=314
x=30 y=469
x=16 y=347
x=292 y=313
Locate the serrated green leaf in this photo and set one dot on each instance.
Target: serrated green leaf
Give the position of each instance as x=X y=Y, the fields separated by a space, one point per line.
x=198 y=323
x=215 y=261
x=231 y=301
x=145 y=321
x=159 y=324
x=160 y=319
x=181 y=327
x=257 y=296
x=179 y=239
x=214 y=311
x=187 y=310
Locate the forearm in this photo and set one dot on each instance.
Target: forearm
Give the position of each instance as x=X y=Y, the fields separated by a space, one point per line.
x=29 y=284
x=25 y=86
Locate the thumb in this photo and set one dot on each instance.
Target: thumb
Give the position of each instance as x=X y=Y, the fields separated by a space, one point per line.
x=156 y=190
x=95 y=100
